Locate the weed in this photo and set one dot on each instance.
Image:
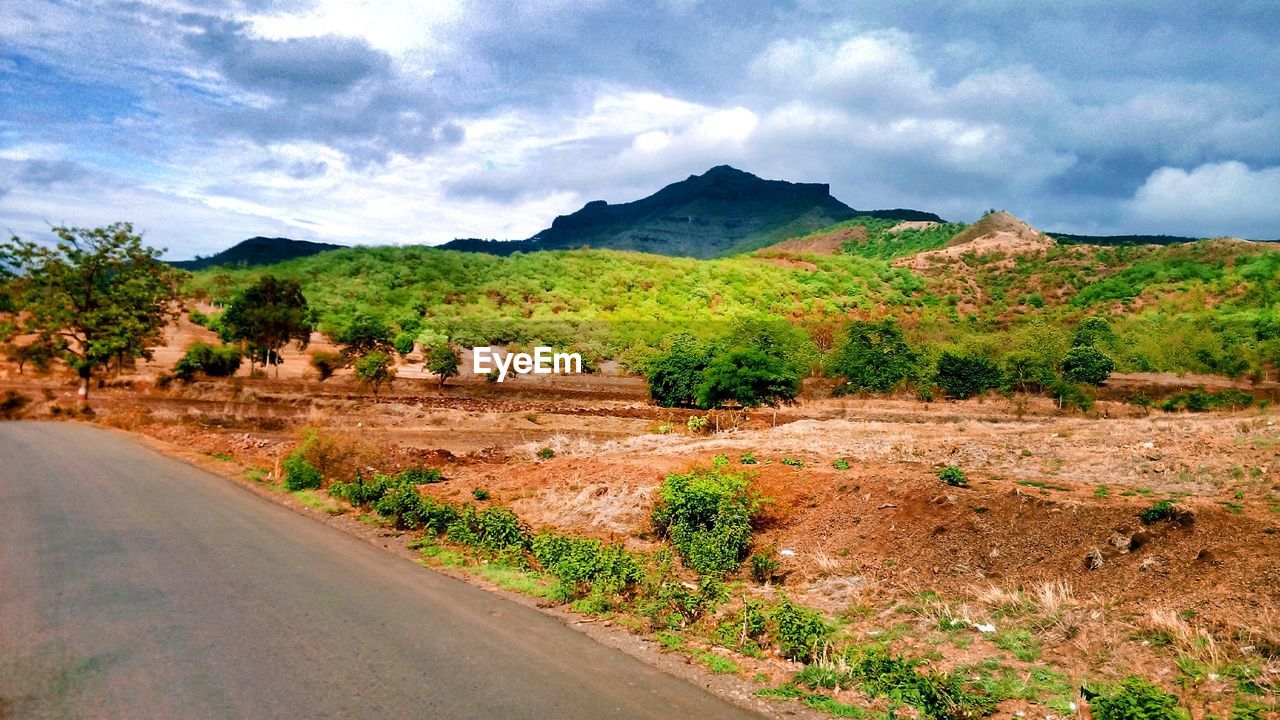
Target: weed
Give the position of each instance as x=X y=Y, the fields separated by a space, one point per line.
x=764 y=566
x=953 y=476
x=792 y=462
x=840 y=464
x=480 y=494
x=747 y=458
x=801 y=633
x=1162 y=510
x=707 y=516
x=546 y=453
x=1135 y=699
x=300 y=474
x=1101 y=491
x=1020 y=643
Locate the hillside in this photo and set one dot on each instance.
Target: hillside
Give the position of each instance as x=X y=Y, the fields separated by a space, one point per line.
x=721 y=212
x=995 y=233
x=257 y=251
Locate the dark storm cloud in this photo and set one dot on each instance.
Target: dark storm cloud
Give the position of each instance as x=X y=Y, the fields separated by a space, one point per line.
x=333 y=90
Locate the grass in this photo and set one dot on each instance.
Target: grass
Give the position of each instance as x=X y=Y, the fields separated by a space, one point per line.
x=816 y=701
x=515 y=579
x=1019 y=642
x=1042 y=485
x=316 y=501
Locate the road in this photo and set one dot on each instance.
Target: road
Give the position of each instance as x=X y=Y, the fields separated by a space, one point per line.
x=135 y=586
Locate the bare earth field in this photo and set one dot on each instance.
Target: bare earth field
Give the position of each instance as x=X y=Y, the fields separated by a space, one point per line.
x=1045 y=546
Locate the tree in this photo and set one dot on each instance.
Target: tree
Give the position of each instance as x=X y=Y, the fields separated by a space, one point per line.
x=750 y=377
x=1091 y=331
x=1087 y=364
x=874 y=357
x=675 y=371
x=41 y=353
x=363 y=335
x=326 y=363
x=268 y=315
x=963 y=376
x=100 y=292
x=374 y=369
x=443 y=360
x=212 y=360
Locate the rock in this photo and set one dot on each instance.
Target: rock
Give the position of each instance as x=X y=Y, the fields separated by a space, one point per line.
x=1094 y=559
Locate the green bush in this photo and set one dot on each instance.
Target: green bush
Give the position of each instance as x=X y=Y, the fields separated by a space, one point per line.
x=953 y=476
x=879 y=673
x=584 y=565
x=1199 y=401
x=1086 y=364
x=1136 y=699
x=374 y=369
x=404 y=505
x=675 y=371
x=327 y=363
x=300 y=474
x=668 y=602
x=495 y=529
x=212 y=360
x=1162 y=510
x=750 y=377
x=963 y=376
x=403 y=343
x=873 y=358
x=420 y=476
x=707 y=516
x=480 y=494
x=361 y=493
x=764 y=566
x=801 y=633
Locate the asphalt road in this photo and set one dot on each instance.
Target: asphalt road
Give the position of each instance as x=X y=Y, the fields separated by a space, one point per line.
x=134 y=586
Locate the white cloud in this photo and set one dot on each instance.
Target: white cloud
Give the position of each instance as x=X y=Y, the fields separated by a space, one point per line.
x=1212 y=199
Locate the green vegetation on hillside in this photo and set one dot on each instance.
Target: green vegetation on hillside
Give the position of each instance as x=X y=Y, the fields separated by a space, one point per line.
x=1209 y=307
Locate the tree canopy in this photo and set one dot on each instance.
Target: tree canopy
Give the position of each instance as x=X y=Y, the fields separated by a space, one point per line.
x=99 y=291
x=266 y=316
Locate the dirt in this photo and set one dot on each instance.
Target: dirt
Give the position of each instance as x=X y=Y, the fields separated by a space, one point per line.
x=1048 y=493
x=997 y=232
x=825 y=243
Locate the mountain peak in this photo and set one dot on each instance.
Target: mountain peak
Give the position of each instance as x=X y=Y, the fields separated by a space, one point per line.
x=258 y=250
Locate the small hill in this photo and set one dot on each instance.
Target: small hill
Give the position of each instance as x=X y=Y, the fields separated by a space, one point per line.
x=721 y=212
x=997 y=232
x=257 y=251
x=827 y=242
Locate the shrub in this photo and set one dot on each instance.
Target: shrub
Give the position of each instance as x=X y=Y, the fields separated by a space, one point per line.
x=300 y=474
x=403 y=343
x=880 y=674
x=953 y=476
x=675 y=371
x=1162 y=510
x=874 y=357
x=764 y=566
x=707 y=516
x=1135 y=699
x=584 y=565
x=1199 y=401
x=792 y=462
x=697 y=424
x=327 y=363
x=361 y=493
x=374 y=369
x=403 y=504
x=747 y=458
x=480 y=494
x=750 y=377
x=1091 y=331
x=963 y=376
x=801 y=633
x=443 y=361
x=1086 y=364
x=840 y=464
x=420 y=476
x=212 y=360
x=12 y=403
x=546 y=453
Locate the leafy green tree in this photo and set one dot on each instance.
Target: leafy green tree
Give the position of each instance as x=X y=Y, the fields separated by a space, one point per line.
x=1087 y=364
x=364 y=334
x=212 y=360
x=374 y=369
x=750 y=377
x=874 y=357
x=443 y=360
x=403 y=343
x=39 y=353
x=1091 y=331
x=963 y=376
x=675 y=371
x=268 y=315
x=100 y=293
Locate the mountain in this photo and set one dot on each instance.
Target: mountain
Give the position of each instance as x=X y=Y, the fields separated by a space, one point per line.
x=257 y=251
x=721 y=212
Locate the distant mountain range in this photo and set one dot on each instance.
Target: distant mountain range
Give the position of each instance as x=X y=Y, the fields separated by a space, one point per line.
x=724 y=211
x=257 y=251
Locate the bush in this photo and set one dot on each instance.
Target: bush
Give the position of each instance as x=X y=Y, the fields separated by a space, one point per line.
x=707 y=516
x=1086 y=364
x=374 y=369
x=675 y=371
x=327 y=363
x=878 y=673
x=212 y=360
x=361 y=493
x=584 y=565
x=764 y=566
x=750 y=377
x=1199 y=401
x=12 y=403
x=697 y=424
x=801 y=633
x=443 y=360
x=300 y=474
x=1162 y=510
x=873 y=358
x=403 y=343
x=420 y=476
x=1136 y=699
x=963 y=376
x=480 y=494
x=953 y=476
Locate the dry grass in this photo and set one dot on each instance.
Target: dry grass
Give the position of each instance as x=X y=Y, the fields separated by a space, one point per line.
x=1166 y=627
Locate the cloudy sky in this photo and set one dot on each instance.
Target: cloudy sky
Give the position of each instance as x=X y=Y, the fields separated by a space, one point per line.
x=417 y=121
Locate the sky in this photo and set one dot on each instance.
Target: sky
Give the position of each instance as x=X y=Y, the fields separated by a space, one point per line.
x=205 y=122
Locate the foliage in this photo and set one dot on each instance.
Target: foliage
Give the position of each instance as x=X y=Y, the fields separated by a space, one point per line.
x=100 y=291
x=1199 y=401
x=748 y=376
x=403 y=343
x=374 y=368
x=801 y=633
x=675 y=371
x=266 y=316
x=546 y=453
x=364 y=334
x=585 y=565
x=953 y=476
x=764 y=566
x=300 y=474
x=963 y=376
x=1136 y=699
x=480 y=494
x=442 y=360
x=697 y=423
x=1091 y=331
x=327 y=363
x=212 y=360
x=1087 y=364
x=707 y=516
x=879 y=673
x=873 y=358
x=1162 y=510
